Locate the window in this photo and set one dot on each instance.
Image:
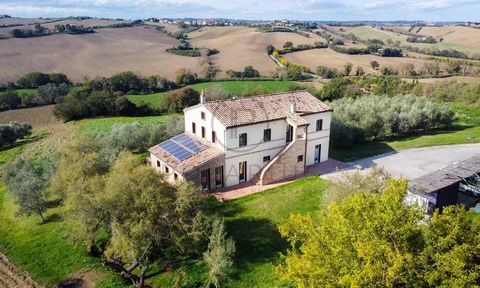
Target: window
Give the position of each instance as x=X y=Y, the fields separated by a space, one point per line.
x=214 y=137
x=242 y=139
x=300 y=158
x=219 y=176
x=166 y=169
x=175 y=176
x=194 y=128
x=158 y=163
x=205 y=179
x=203 y=132
x=319 y=124
x=202 y=115
x=267 y=135
x=266 y=158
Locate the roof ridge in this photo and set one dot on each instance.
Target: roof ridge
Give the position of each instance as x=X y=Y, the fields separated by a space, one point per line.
x=258 y=96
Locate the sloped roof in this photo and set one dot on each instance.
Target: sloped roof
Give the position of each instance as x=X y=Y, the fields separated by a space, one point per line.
x=256 y=109
x=184 y=166
x=446 y=176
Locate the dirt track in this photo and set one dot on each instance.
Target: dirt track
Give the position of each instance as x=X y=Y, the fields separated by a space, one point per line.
x=11 y=277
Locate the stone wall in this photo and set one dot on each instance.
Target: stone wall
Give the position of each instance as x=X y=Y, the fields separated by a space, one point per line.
x=285 y=165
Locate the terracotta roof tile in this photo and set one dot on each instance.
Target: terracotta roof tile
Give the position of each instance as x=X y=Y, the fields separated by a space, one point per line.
x=250 y=110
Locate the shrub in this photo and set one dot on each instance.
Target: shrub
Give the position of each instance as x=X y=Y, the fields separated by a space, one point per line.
x=37 y=79
x=326 y=72
x=176 y=101
x=9 y=100
x=13 y=131
x=185 y=77
x=391 y=52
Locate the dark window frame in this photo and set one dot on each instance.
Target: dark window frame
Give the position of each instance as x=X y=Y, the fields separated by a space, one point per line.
x=202 y=115
x=194 y=128
x=319 y=125
x=214 y=137
x=267 y=135
x=242 y=140
x=166 y=169
x=203 y=132
x=266 y=158
x=159 y=164
x=300 y=158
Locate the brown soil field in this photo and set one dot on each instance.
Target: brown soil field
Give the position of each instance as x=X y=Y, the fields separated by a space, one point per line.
x=85 y=23
x=454 y=34
x=330 y=58
x=39 y=117
x=11 y=277
x=242 y=46
x=104 y=53
x=23 y=21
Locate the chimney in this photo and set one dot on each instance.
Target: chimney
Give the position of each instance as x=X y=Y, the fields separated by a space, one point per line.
x=202 y=97
x=293 y=108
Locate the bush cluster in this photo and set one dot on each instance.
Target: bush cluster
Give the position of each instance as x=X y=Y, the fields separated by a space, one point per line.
x=37 y=79
x=376 y=117
x=73 y=29
x=13 y=131
x=422 y=39
x=248 y=72
x=177 y=100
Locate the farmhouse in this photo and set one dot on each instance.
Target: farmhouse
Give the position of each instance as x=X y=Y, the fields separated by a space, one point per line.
x=260 y=139
x=458 y=183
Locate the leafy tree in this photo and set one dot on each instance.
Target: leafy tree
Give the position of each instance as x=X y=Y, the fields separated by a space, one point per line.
x=270 y=49
x=124 y=82
x=219 y=254
x=37 y=79
x=9 y=100
x=347 y=68
x=359 y=71
x=288 y=45
x=13 y=131
x=374 y=240
x=27 y=184
x=374 y=64
x=185 y=77
x=335 y=88
x=208 y=69
x=326 y=72
x=250 y=72
x=177 y=100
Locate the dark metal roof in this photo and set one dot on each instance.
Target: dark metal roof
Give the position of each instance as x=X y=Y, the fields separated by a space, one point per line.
x=446 y=176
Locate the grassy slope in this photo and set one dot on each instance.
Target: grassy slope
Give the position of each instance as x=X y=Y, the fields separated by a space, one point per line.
x=232 y=87
x=44 y=250
x=106 y=124
x=22 y=91
x=466 y=130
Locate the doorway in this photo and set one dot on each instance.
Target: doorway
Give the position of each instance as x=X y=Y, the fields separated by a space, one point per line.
x=318 y=151
x=242 y=171
x=205 y=179
x=289 y=133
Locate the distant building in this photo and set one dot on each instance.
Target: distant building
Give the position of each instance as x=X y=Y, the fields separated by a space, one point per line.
x=261 y=139
x=458 y=183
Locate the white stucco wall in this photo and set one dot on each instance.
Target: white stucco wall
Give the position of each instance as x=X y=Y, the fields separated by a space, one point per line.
x=210 y=123
x=318 y=137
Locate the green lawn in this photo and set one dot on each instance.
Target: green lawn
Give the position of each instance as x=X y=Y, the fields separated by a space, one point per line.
x=105 y=124
x=466 y=129
x=22 y=91
x=232 y=87
x=45 y=250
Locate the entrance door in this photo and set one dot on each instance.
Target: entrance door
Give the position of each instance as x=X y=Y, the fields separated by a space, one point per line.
x=206 y=179
x=318 y=151
x=219 y=176
x=289 y=133
x=242 y=171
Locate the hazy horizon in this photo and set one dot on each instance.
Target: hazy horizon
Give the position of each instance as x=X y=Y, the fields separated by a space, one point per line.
x=308 y=10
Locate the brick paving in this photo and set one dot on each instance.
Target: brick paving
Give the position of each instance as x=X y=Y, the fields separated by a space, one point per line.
x=249 y=188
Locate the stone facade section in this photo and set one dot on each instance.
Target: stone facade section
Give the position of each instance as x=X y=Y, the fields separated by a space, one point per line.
x=195 y=175
x=285 y=165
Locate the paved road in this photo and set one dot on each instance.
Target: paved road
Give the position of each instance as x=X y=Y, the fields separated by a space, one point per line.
x=416 y=162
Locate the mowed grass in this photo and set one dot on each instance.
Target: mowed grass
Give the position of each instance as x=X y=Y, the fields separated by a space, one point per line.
x=45 y=251
x=238 y=88
x=253 y=220
x=105 y=124
x=466 y=129
x=21 y=91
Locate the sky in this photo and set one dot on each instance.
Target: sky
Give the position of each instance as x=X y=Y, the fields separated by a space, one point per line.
x=341 y=10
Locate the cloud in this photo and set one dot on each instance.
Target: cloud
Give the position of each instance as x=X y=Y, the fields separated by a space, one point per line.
x=248 y=9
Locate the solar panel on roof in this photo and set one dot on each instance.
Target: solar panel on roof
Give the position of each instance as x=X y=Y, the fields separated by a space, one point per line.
x=182 y=146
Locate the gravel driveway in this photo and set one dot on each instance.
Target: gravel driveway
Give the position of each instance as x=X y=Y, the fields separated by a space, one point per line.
x=416 y=162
